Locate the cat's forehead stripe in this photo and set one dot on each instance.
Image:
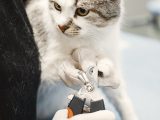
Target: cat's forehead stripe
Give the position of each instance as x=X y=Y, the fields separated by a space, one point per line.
x=92 y=2
x=104 y=8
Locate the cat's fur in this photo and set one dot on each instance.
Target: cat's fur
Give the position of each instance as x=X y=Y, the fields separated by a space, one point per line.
x=98 y=31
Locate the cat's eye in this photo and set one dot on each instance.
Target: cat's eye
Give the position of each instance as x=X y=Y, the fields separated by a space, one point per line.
x=82 y=12
x=57 y=6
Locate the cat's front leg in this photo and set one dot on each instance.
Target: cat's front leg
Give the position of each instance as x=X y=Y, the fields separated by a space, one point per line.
x=107 y=73
x=119 y=98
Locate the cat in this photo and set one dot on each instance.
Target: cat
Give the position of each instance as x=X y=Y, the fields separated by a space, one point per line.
x=62 y=26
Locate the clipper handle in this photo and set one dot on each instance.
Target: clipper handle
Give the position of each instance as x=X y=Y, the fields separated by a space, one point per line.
x=97 y=105
x=75 y=106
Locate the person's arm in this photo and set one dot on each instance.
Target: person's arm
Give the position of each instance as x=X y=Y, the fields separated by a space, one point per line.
x=19 y=64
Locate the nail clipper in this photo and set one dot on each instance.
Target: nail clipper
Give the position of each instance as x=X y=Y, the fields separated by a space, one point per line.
x=87 y=99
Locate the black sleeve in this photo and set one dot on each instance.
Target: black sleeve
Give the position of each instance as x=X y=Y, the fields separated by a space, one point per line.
x=19 y=64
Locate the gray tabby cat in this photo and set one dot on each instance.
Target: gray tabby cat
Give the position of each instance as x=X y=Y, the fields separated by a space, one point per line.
x=92 y=26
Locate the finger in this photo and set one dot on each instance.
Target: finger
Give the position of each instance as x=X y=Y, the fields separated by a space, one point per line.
x=61 y=115
x=100 y=115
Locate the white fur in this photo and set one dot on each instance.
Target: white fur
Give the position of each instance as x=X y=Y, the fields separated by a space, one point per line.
x=104 y=40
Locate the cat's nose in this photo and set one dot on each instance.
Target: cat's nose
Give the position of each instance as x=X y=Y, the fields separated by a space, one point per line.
x=63 y=28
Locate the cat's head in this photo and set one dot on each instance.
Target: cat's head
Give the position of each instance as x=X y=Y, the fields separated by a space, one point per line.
x=79 y=17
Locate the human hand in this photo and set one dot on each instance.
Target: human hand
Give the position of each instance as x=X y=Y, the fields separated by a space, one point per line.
x=99 y=115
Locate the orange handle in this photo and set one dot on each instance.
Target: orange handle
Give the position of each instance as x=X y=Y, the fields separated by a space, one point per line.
x=70 y=112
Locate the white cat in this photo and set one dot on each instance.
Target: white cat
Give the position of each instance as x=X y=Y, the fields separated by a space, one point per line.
x=62 y=26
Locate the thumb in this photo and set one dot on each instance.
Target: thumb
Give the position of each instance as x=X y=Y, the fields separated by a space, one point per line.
x=60 y=115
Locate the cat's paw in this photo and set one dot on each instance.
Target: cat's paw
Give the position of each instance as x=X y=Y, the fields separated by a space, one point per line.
x=107 y=73
x=85 y=57
x=69 y=73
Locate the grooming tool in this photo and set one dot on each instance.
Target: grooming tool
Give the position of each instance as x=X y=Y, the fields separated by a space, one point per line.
x=84 y=100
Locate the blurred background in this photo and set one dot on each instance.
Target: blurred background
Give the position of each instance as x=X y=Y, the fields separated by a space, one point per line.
x=142 y=17
x=141 y=56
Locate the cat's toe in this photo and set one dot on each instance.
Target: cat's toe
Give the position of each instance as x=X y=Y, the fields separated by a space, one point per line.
x=104 y=71
x=107 y=74
x=105 y=68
